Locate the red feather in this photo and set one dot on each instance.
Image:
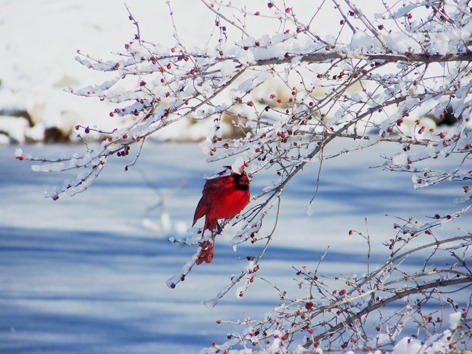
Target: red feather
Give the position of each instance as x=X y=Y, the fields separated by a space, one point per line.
x=222 y=197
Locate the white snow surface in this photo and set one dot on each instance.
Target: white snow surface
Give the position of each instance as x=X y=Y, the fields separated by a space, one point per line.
x=40 y=39
x=88 y=273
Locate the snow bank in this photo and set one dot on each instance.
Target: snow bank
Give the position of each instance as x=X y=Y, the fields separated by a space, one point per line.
x=38 y=57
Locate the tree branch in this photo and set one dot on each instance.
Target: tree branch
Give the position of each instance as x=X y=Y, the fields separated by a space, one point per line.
x=399 y=295
x=319 y=57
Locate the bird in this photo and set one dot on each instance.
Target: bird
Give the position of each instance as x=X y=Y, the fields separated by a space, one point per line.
x=223 y=197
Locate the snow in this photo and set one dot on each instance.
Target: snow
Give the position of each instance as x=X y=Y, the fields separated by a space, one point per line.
x=407 y=345
x=400 y=159
x=401 y=43
x=84 y=274
x=38 y=66
x=454 y=320
x=15 y=128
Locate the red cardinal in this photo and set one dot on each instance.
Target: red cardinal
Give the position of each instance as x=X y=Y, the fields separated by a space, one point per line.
x=223 y=197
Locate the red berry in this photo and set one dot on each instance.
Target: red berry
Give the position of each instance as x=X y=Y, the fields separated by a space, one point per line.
x=270 y=5
x=256 y=13
x=21 y=157
x=142 y=83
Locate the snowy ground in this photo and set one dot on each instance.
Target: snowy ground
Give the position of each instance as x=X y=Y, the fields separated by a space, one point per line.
x=84 y=275
x=39 y=42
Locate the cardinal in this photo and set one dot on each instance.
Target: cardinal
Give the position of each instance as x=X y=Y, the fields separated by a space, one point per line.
x=223 y=197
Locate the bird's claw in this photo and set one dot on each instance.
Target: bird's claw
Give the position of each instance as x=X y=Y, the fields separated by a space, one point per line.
x=206 y=254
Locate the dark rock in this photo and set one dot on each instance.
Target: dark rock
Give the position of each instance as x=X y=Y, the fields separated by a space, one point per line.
x=55 y=135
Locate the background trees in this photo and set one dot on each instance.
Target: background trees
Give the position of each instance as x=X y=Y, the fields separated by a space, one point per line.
x=292 y=80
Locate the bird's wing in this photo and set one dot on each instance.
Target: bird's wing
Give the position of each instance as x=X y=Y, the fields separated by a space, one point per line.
x=213 y=188
x=201 y=210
